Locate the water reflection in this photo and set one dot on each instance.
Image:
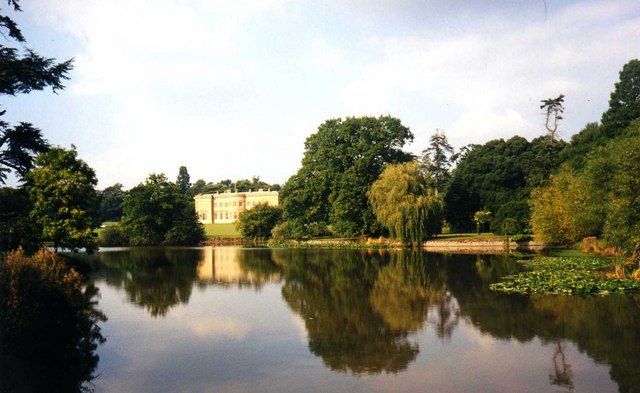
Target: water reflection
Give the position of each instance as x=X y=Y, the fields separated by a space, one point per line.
x=236 y=266
x=153 y=278
x=364 y=312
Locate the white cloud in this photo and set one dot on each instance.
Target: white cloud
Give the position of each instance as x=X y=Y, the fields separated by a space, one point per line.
x=495 y=79
x=232 y=88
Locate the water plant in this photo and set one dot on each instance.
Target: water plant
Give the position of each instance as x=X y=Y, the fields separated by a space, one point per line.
x=570 y=276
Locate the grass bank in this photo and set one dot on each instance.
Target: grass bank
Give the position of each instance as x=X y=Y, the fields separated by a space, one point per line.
x=221 y=230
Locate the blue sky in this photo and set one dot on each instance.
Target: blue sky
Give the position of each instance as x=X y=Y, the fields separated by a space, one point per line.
x=231 y=89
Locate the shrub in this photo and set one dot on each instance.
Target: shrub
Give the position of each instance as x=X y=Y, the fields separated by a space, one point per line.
x=48 y=325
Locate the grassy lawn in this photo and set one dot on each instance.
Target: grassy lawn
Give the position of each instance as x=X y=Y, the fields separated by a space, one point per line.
x=221 y=230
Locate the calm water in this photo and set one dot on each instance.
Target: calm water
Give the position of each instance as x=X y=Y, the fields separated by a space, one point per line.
x=245 y=320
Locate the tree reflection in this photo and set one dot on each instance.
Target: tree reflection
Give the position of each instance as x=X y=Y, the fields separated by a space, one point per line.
x=606 y=328
x=158 y=279
x=358 y=307
x=561 y=374
x=153 y=278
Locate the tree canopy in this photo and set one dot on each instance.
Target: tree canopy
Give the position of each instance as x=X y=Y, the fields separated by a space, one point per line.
x=158 y=212
x=436 y=159
x=23 y=71
x=498 y=176
x=65 y=202
x=600 y=200
x=183 y=179
x=405 y=204
x=111 y=199
x=257 y=222
x=341 y=161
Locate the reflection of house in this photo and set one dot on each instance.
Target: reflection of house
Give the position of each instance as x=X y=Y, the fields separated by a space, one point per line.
x=225 y=207
x=222 y=265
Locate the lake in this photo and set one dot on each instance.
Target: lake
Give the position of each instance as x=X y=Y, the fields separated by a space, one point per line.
x=310 y=320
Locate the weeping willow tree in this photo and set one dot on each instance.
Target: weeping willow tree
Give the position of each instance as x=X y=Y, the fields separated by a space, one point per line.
x=405 y=204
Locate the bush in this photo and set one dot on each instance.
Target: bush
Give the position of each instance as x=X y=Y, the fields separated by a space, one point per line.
x=48 y=325
x=259 y=221
x=112 y=236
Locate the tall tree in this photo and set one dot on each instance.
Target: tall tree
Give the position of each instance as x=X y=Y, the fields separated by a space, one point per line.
x=158 y=212
x=553 y=109
x=183 y=179
x=65 y=202
x=624 y=105
x=111 y=199
x=404 y=203
x=341 y=161
x=23 y=71
x=435 y=159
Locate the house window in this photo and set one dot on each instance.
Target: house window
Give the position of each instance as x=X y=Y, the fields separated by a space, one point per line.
x=240 y=204
x=234 y=203
x=226 y=216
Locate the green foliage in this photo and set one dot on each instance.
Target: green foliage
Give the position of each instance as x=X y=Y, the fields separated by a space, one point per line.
x=111 y=199
x=48 y=325
x=624 y=108
x=564 y=212
x=435 y=159
x=23 y=71
x=65 y=202
x=183 y=179
x=198 y=187
x=158 y=212
x=481 y=217
x=16 y=229
x=257 y=222
x=405 y=204
x=244 y=185
x=289 y=230
x=587 y=139
x=624 y=105
x=112 y=236
x=341 y=161
x=18 y=146
x=602 y=199
x=570 y=276
x=499 y=176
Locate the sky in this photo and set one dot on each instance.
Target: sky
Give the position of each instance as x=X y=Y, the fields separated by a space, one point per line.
x=231 y=89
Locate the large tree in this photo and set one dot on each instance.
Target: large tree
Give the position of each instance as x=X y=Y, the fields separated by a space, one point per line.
x=22 y=71
x=158 y=212
x=111 y=199
x=601 y=200
x=405 y=204
x=498 y=176
x=624 y=105
x=64 y=198
x=624 y=108
x=341 y=161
